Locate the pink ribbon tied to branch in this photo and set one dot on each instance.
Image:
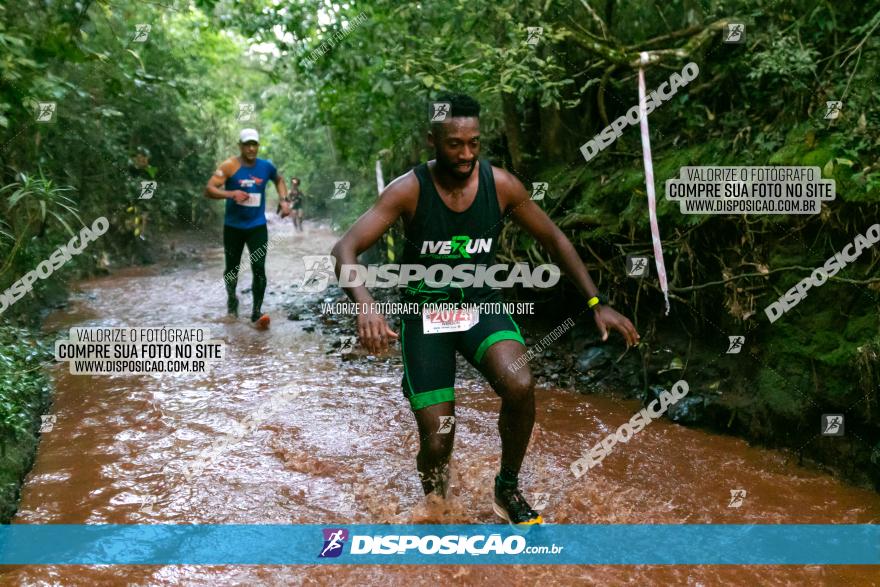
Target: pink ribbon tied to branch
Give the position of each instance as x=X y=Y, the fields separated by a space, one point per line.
x=649 y=181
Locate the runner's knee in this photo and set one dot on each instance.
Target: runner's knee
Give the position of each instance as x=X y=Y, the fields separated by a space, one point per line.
x=517 y=387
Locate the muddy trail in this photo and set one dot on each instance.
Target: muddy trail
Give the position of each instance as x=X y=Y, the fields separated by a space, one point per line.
x=344 y=450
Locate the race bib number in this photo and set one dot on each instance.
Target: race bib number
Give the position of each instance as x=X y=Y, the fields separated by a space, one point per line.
x=252 y=201
x=456 y=320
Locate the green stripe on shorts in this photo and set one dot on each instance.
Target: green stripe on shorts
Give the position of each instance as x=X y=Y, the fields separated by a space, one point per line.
x=495 y=337
x=429 y=398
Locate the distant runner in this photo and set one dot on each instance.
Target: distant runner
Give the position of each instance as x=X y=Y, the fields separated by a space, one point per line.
x=453 y=209
x=141 y=179
x=296 y=202
x=295 y=199
x=243 y=180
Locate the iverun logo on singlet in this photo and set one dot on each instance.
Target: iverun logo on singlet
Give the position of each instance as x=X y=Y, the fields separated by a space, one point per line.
x=460 y=247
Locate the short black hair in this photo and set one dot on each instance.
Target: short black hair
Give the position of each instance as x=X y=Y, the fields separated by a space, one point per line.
x=460 y=105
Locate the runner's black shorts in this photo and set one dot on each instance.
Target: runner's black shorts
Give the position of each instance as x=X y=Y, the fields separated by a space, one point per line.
x=429 y=359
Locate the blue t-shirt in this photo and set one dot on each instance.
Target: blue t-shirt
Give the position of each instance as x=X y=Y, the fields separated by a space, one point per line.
x=253 y=180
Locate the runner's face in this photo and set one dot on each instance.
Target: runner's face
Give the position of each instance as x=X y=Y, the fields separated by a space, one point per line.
x=249 y=150
x=457 y=146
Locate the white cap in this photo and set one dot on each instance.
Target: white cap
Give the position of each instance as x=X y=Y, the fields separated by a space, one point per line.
x=248 y=134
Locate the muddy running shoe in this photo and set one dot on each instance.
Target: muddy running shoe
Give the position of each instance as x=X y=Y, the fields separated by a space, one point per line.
x=232 y=306
x=260 y=322
x=511 y=506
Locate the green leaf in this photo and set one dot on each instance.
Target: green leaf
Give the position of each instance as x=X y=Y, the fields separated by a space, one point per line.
x=64 y=223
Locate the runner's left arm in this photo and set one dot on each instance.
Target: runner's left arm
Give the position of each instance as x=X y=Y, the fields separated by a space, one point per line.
x=531 y=217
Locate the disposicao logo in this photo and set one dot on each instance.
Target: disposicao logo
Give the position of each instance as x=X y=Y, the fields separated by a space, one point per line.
x=334 y=539
x=432 y=544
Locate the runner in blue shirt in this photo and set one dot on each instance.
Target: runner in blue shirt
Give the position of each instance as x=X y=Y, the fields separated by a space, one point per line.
x=241 y=181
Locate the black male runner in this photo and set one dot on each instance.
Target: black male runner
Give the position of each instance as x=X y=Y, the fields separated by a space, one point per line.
x=461 y=200
x=241 y=181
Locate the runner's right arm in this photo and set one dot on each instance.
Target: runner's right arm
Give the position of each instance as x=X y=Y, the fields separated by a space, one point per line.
x=397 y=197
x=214 y=189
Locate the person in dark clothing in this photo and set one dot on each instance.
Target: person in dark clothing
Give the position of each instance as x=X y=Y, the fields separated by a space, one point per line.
x=453 y=209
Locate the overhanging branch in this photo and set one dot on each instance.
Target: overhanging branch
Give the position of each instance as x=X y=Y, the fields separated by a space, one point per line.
x=630 y=57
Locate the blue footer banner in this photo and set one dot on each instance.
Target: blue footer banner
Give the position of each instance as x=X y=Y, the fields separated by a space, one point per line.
x=270 y=544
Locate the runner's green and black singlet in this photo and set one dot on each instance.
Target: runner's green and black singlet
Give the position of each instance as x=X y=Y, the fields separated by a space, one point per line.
x=437 y=236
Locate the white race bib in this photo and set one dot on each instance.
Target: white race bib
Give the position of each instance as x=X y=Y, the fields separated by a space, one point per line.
x=253 y=200
x=458 y=320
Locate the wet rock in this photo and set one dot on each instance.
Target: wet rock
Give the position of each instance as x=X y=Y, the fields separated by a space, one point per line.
x=553 y=365
x=687 y=410
x=584 y=378
x=591 y=358
x=653 y=393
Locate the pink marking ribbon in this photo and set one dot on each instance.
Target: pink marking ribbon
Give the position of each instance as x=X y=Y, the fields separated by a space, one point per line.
x=649 y=182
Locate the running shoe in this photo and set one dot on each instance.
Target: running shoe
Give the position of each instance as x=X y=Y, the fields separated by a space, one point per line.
x=512 y=507
x=261 y=323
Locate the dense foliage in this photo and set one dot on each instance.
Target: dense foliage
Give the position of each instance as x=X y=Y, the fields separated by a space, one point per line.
x=24 y=395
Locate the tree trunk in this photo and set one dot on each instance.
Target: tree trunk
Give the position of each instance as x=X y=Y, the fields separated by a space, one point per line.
x=512 y=130
x=551 y=146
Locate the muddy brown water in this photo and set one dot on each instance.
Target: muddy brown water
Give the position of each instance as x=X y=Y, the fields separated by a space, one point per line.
x=344 y=451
